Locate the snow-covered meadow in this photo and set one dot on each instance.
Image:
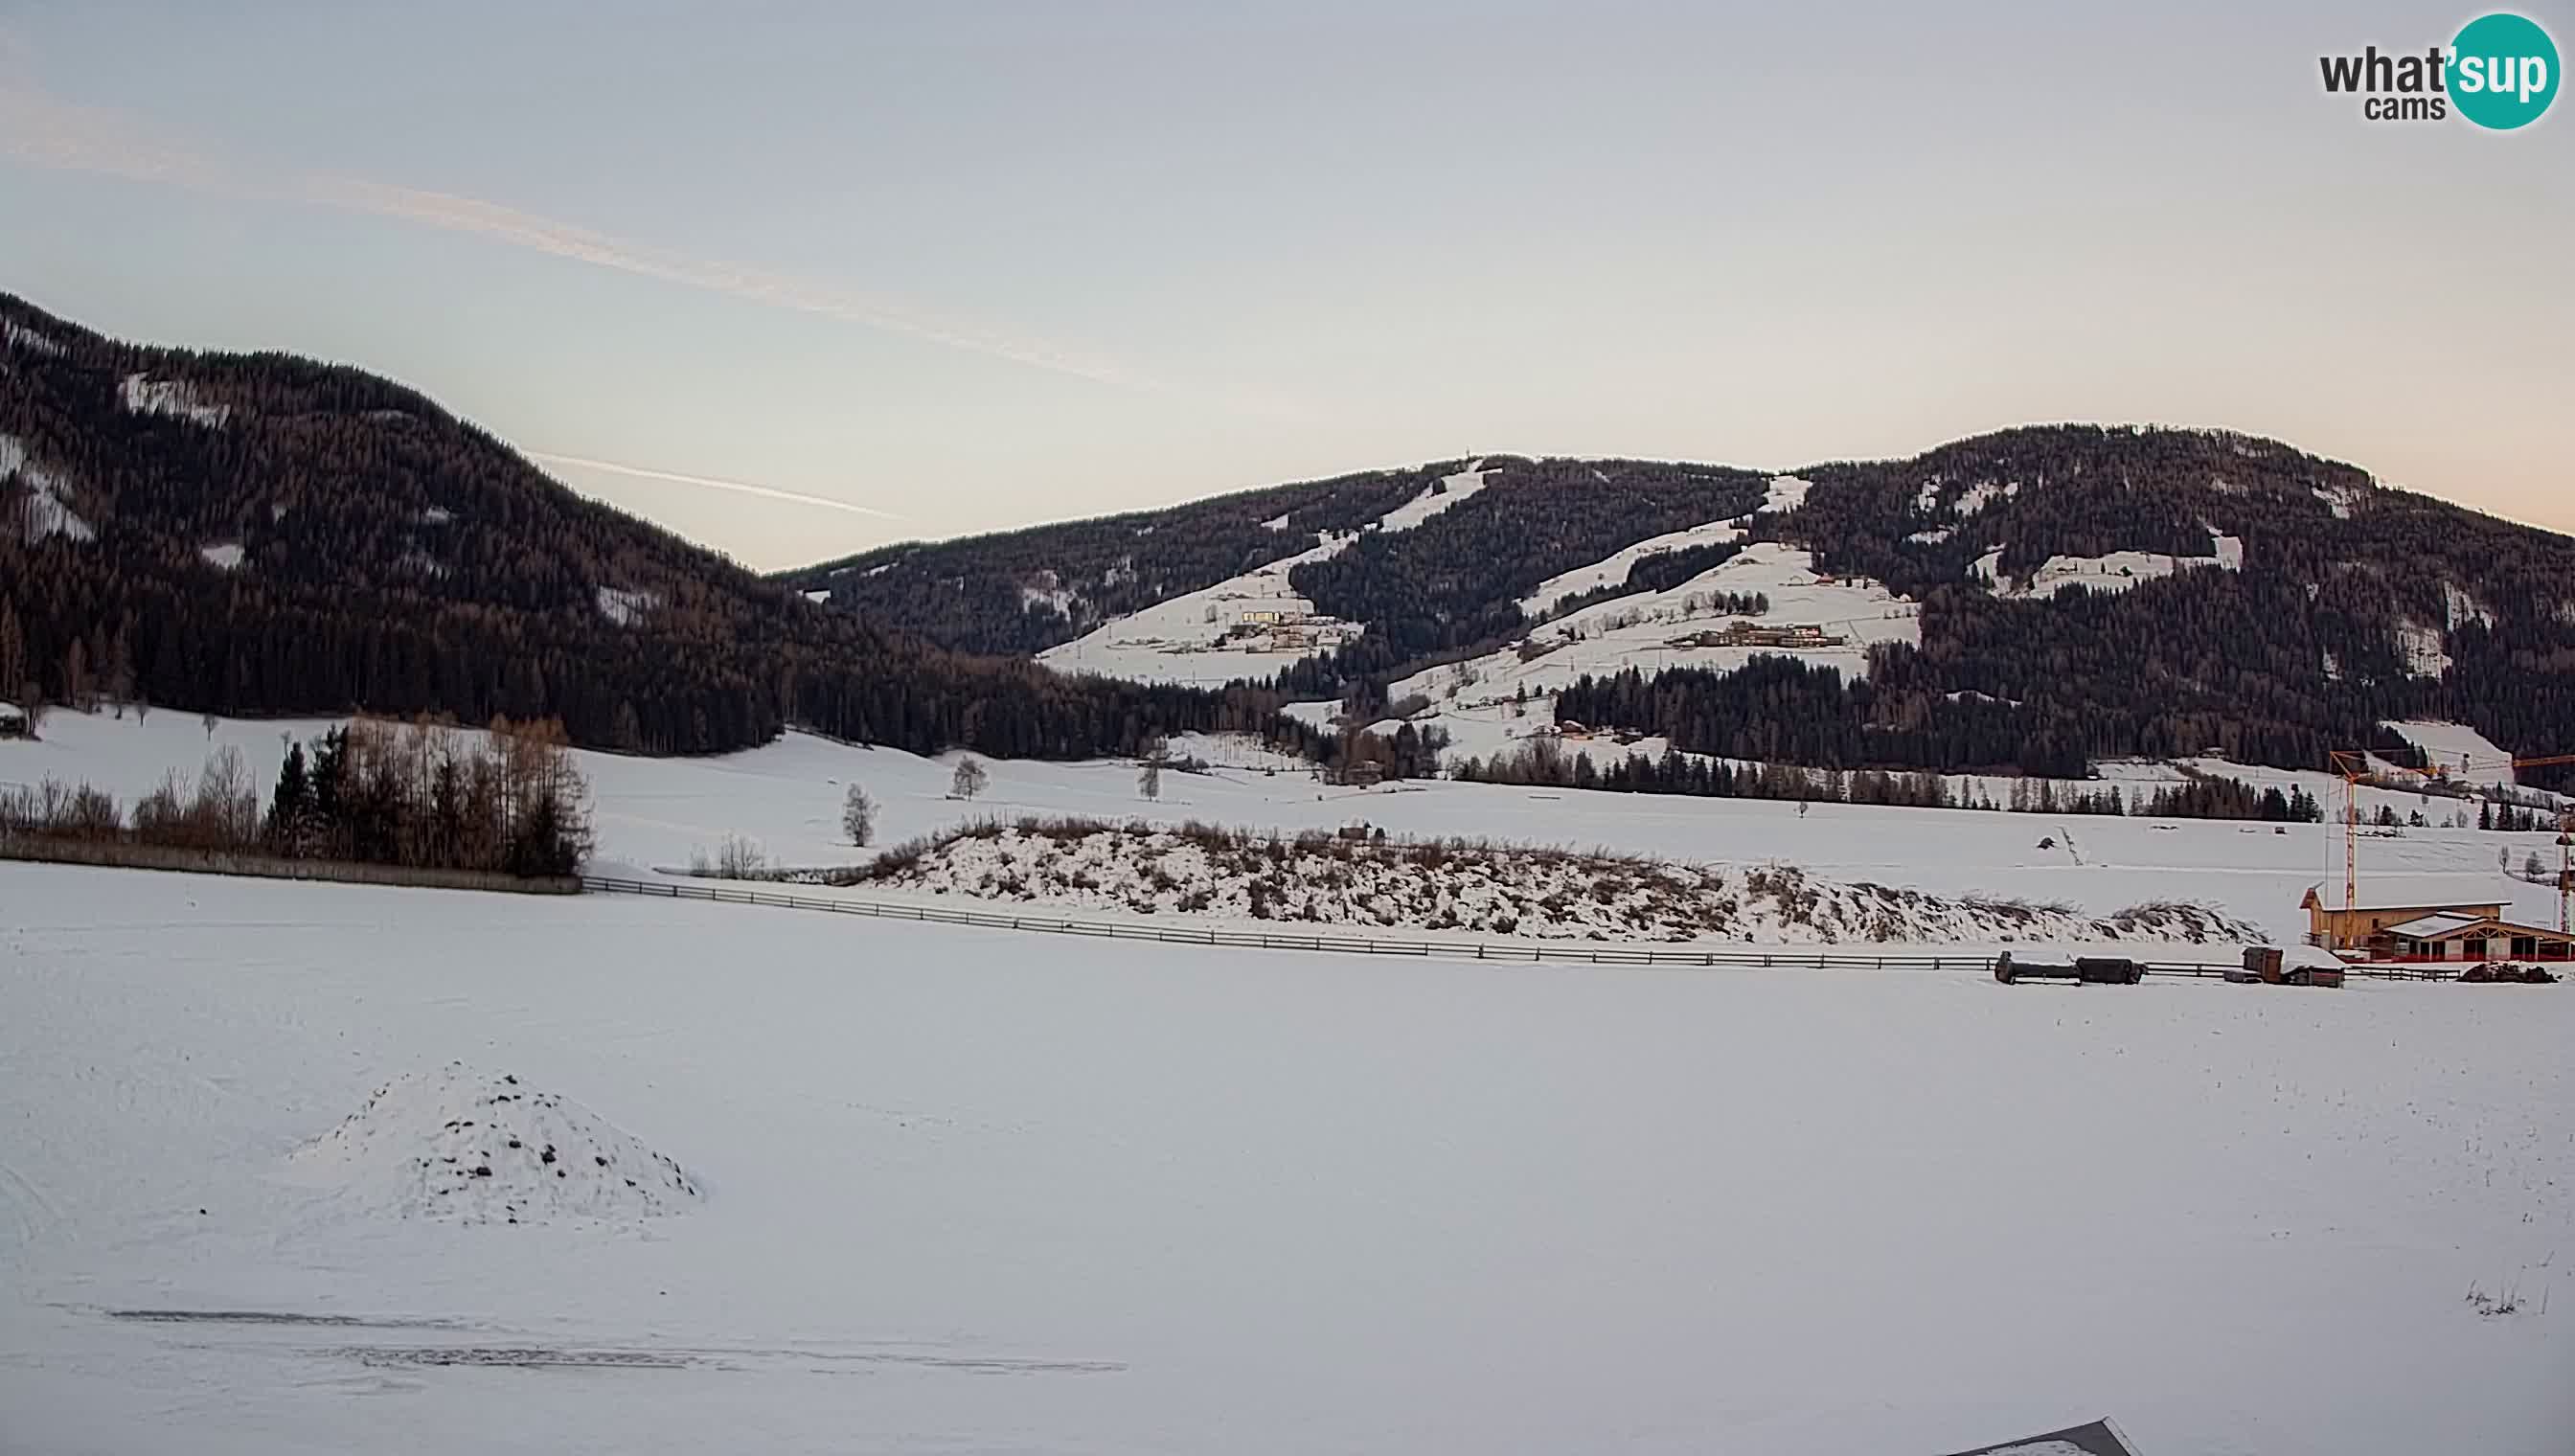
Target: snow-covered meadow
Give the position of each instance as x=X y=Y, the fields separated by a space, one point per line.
x=965 y=1191
x=786 y=797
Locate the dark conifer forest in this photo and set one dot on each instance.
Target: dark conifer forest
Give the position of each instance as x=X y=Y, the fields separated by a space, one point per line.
x=262 y=534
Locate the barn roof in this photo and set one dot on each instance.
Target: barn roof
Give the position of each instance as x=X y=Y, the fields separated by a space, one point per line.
x=2449 y=924
x=2433 y=928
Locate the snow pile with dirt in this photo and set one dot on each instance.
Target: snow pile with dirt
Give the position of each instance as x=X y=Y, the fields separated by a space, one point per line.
x=1353 y=878
x=480 y=1148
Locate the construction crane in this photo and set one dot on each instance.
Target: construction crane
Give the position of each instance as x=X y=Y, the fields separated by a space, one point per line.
x=2352 y=765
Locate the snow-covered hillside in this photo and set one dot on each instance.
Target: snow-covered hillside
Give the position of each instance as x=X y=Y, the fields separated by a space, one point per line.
x=1831 y=622
x=175 y=398
x=1452 y=491
x=976 y=1191
x=1613 y=570
x=1248 y=626
x=2119 y=570
x=41 y=512
x=2460 y=753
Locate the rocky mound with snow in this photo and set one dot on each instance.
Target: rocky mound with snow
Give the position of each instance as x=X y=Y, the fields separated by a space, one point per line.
x=481 y=1149
x=1362 y=881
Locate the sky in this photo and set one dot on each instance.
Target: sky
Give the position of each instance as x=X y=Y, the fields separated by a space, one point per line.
x=796 y=277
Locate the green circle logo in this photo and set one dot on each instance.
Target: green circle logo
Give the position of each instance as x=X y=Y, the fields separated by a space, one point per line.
x=2503 y=71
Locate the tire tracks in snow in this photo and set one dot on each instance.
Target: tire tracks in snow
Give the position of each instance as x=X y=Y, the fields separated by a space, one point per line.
x=20 y=1193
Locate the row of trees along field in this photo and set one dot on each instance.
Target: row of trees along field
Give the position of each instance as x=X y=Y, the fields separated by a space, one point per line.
x=1543 y=761
x=421 y=794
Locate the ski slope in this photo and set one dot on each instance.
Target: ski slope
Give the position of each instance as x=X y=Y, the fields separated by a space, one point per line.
x=971 y=1191
x=1613 y=570
x=1247 y=626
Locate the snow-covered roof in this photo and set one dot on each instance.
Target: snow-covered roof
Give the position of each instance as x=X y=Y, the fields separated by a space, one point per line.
x=2433 y=928
x=2413 y=891
x=2452 y=922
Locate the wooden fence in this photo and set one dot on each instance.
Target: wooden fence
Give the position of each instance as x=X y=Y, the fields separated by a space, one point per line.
x=1581 y=952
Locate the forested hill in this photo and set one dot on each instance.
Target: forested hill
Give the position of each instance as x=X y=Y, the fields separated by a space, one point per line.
x=263 y=534
x=2095 y=591
x=1450 y=581
x=2084 y=591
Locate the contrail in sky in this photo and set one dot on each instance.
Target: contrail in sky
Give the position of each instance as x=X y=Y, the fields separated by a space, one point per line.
x=710 y=482
x=44 y=130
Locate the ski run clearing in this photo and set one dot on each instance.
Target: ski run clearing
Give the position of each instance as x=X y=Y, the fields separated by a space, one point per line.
x=2120 y=570
x=970 y=1190
x=41 y=510
x=1250 y=625
x=1613 y=570
x=624 y=608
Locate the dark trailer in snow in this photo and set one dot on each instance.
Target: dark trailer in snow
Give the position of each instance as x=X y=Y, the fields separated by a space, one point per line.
x=2106 y=971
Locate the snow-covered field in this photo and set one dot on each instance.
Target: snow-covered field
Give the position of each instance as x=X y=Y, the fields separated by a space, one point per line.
x=970 y=1191
x=786 y=797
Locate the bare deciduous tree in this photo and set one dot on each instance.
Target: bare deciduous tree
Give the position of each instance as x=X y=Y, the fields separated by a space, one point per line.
x=971 y=778
x=859 y=815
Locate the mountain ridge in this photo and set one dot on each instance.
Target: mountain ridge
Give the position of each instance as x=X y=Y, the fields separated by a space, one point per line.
x=263 y=534
x=260 y=532
x=2083 y=591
